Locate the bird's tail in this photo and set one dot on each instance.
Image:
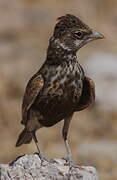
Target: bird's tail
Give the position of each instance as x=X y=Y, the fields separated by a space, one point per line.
x=25 y=137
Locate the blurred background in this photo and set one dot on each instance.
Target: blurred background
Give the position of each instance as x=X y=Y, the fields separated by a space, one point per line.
x=25 y=28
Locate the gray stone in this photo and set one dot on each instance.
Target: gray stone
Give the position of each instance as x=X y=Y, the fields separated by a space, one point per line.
x=28 y=167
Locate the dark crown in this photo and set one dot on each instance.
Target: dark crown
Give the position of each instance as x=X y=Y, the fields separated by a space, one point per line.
x=68 y=21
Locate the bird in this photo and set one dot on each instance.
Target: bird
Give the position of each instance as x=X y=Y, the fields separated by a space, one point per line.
x=60 y=87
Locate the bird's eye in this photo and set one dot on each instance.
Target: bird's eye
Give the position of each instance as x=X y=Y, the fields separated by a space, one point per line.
x=79 y=34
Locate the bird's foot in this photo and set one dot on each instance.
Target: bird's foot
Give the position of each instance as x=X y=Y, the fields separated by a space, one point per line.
x=69 y=160
x=44 y=159
x=70 y=163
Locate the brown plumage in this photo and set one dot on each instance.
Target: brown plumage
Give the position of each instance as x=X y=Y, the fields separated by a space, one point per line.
x=60 y=87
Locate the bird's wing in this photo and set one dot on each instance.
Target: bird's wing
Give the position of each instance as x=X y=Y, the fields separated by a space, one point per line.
x=88 y=94
x=33 y=88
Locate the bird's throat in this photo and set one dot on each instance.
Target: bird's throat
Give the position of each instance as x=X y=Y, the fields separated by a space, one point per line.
x=58 y=53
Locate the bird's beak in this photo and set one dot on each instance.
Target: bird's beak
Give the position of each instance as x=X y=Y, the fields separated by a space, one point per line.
x=93 y=36
x=96 y=35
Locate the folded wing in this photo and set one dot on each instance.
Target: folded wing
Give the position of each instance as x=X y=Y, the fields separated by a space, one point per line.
x=88 y=94
x=33 y=88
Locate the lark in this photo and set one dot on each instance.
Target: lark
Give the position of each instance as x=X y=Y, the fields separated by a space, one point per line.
x=60 y=87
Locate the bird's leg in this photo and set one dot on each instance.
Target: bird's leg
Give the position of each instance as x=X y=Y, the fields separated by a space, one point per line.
x=69 y=155
x=65 y=133
x=68 y=159
x=40 y=153
x=37 y=145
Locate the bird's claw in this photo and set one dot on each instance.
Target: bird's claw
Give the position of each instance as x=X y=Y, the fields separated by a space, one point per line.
x=69 y=162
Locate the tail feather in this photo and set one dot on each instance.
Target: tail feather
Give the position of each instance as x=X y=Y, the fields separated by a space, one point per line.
x=25 y=137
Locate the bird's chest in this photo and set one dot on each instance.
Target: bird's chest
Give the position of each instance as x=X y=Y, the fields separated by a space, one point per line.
x=65 y=83
x=60 y=94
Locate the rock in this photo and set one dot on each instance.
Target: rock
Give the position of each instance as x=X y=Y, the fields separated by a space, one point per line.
x=29 y=167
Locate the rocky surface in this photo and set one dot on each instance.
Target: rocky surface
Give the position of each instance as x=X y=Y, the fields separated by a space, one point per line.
x=30 y=167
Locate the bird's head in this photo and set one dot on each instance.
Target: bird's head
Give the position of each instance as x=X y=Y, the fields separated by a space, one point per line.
x=71 y=33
